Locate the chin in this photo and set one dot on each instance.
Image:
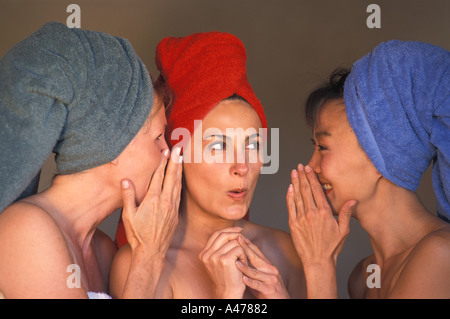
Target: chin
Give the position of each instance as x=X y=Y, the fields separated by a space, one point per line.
x=234 y=213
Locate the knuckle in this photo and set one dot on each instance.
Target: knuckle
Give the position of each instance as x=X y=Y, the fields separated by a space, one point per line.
x=310 y=215
x=316 y=187
x=305 y=187
x=272 y=270
x=167 y=204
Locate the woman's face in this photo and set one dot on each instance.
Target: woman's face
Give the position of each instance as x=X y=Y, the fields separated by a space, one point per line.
x=224 y=182
x=342 y=166
x=142 y=156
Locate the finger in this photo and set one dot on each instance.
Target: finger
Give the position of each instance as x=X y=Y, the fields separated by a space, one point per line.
x=255 y=256
x=171 y=175
x=221 y=236
x=251 y=272
x=177 y=189
x=305 y=188
x=290 y=203
x=235 y=253
x=225 y=255
x=228 y=250
x=316 y=188
x=158 y=177
x=298 y=201
x=254 y=284
x=128 y=197
x=252 y=247
x=345 y=214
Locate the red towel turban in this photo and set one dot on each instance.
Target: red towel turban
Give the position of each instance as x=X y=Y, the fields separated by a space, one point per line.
x=201 y=70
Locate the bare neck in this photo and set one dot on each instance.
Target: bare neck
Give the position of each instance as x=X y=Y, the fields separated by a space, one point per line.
x=79 y=203
x=395 y=220
x=196 y=225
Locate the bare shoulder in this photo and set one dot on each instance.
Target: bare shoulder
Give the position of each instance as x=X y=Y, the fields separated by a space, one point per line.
x=357 y=281
x=25 y=222
x=436 y=243
x=32 y=243
x=273 y=242
x=426 y=273
x=432 y=252
x=119 y=271
x=105 y=247
x=105 y=250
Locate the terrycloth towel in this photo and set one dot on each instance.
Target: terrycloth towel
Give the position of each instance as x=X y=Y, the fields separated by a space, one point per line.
x=98 y=295
x=82 y=94
x=201 y=70
x=398 y=103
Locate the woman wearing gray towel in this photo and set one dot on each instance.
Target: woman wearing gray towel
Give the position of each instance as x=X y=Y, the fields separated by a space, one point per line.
x=375 y=132
x=87 y=97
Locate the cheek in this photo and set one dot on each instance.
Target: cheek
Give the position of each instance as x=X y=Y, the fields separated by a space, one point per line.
x=253 y=173
x=332 y=168
x=201 y=178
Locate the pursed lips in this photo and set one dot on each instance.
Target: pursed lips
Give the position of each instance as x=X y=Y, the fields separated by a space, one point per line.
x=237 y=193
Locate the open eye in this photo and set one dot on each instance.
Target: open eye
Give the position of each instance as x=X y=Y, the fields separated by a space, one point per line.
x=318 y=146
x=217 y=146
x=253 y=145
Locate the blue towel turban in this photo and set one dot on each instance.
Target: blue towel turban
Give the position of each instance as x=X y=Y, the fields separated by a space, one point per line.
x=81 y=94
x=398 y=103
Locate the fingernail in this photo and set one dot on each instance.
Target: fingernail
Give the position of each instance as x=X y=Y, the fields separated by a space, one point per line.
x=300 y=167
x=165 y=152
x=180 y=159
x=294 y=173
x=177 y=150
x=125 y=184
x=308 y=169
x=291 y=188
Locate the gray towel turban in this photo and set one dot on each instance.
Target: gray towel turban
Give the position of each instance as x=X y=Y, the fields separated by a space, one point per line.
x=81 y=94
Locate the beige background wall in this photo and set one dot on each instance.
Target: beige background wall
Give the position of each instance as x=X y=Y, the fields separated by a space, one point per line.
x=292 y=45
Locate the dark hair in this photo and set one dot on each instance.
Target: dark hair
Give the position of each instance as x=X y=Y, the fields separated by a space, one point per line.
x=235 y=97
x=164 y=92
x=331 y=90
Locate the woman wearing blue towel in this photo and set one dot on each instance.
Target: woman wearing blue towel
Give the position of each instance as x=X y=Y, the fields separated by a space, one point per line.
x=375 y=131
x=87 y=97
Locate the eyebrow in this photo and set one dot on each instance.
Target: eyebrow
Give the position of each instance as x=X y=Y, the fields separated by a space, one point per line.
x=322 y=133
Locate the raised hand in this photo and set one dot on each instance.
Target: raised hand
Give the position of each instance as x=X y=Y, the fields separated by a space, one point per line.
x=318 y=237
x=151 y=225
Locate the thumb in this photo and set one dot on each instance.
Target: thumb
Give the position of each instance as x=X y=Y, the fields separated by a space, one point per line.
x=128 y=197
x=345 y=214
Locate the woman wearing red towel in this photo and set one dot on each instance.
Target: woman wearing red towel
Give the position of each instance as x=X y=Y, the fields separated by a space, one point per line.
x=216 y=252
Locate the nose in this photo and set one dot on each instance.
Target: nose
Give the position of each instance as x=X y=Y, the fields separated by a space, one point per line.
x=239 y=169
x=314 y=162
